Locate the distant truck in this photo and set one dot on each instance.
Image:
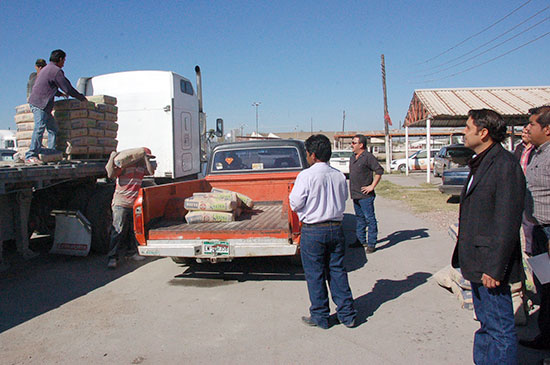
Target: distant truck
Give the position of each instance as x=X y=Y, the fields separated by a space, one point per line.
x=160 y=110
x=263 y=170
x=7 y=139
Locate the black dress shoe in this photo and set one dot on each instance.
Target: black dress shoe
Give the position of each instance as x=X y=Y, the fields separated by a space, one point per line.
x=371 y=249
x=308 y=321
x=538 y=343
x=352 y=324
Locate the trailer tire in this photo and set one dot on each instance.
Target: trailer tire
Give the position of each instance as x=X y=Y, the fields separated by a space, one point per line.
x=100 y=216
x=182 y=260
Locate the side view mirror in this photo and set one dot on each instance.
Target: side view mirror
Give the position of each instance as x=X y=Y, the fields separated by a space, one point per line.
x=219 y=127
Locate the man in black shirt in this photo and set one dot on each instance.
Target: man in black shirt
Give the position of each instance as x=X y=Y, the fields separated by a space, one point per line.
x=362 y=165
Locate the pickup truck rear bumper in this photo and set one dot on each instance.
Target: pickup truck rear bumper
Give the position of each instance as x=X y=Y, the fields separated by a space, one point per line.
x=238 y=248
x=453 y=190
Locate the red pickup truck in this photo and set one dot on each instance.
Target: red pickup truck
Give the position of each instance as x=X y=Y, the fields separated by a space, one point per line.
x=263 y=170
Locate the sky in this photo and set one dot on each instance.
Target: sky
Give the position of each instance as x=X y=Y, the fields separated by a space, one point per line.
x=305 y=61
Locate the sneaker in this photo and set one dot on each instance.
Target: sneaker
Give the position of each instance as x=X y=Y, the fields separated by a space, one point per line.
x=371 y=249
x=112 y=263
x=33 y=161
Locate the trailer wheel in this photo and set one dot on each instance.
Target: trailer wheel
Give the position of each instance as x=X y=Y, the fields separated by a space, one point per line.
x=182 y=260
x=100 y=216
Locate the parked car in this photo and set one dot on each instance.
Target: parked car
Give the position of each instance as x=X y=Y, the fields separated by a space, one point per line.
x=7 y=154
x=454 y=155
x=340 y=160
x=453 y=179
x=417 y=161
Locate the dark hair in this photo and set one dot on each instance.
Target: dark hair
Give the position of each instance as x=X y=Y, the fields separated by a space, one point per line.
x=320 y=145
x=40 y=62
x=362 y=140
x=57 y=55
x=544 y=115
x=490 y=120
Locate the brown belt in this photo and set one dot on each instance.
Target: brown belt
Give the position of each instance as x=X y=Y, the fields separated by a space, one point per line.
x=322 y=224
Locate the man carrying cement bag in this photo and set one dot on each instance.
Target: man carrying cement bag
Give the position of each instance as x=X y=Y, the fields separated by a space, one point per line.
x=128 y=183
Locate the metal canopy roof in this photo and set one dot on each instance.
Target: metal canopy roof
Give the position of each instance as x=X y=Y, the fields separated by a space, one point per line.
x=449 y=107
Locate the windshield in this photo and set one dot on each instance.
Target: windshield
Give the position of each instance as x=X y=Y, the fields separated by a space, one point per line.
x=266 y=158
x=341 y=154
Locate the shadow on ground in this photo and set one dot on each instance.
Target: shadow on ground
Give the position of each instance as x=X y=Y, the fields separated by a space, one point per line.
x=401 y=236
x=384 y=291
x=240 y=270
x=31 y=288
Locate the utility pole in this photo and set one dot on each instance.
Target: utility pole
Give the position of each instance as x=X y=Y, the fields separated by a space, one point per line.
x=343 y=121
x=386 y=118
x=256 y=104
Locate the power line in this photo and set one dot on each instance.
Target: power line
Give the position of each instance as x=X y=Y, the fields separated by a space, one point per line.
x=486 y=43
x=475 y=35
x=487 y=50
x=490 y=60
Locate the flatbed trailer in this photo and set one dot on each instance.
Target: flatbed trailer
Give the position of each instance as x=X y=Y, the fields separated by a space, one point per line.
x=28 y=194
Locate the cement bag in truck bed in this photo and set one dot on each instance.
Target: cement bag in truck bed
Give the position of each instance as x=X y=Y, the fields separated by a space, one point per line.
x=206 y=217
x=200 y=203
x=249 y=203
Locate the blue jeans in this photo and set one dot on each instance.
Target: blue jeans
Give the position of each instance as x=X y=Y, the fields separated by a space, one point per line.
x=42 y=121
x=496 y=341
x=541 y=236
x=322 y=250
x=122 y=230
x=365 y=217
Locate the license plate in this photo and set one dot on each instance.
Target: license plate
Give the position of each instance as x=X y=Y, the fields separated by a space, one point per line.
x=343 y=162
x=215 y=248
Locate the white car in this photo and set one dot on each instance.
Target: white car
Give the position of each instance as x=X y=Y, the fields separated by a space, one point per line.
x=417 y=161
x=340 y=160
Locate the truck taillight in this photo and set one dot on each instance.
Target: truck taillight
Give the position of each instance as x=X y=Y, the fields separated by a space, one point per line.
x=138 y=220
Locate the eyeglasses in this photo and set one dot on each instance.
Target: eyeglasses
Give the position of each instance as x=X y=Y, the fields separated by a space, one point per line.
x=354 y=142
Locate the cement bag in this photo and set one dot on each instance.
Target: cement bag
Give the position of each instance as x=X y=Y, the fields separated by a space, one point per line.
x=109 y=134
x=129 y=157
x=26 y=143
x=92 y=114
x=78 y=123
x=24 y=108
x=70 y=114
x=229 y=195
x=23 y=134
x=206 y=217
x=220 y=205
x=95 y=150
x=102 y=99
x=107 y=142
x=48 y=155
x=68 y=104
x=25 y=126
x=248 y=202
x=110 y=116
x=105 y=124
x=108 y=150
x=95 y=132
x=24 y=118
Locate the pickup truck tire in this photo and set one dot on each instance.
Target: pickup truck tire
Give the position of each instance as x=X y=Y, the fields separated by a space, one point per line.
x=182 y=260
x=100 y=216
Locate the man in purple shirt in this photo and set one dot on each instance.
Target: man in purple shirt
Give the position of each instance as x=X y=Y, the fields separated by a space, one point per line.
x=48 y=82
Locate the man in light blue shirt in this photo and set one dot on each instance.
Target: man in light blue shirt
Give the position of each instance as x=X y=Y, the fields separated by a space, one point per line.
x=319 y=199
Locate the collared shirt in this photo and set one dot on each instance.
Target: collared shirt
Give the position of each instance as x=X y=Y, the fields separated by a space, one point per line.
x=46 y=86
x=319 y=194
x=128 y=185
x=538 y=184
x=361 y=170
x=525 y=154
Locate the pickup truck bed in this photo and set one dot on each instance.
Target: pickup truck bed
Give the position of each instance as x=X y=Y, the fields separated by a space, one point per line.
x=266 y=217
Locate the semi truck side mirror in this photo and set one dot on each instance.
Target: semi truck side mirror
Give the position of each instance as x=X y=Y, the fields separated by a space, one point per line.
x=219 y=127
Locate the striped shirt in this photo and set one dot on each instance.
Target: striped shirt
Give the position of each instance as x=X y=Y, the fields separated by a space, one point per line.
x=538 y=183
x=128 y=185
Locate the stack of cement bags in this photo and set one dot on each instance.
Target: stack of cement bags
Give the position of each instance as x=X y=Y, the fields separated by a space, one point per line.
x=24 y=120
x=87 y=128
x=219 y=205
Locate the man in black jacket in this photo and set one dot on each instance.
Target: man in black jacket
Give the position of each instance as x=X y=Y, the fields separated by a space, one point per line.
x=488 y=248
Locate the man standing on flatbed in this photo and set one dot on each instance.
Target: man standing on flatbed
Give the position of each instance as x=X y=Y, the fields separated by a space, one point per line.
x=46 y=87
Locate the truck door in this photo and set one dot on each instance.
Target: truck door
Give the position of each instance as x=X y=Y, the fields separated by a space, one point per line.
x=183 y=143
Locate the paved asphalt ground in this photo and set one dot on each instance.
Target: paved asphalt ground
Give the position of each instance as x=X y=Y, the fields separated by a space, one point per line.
x=68 y=310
